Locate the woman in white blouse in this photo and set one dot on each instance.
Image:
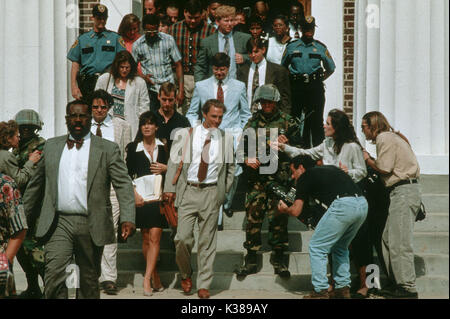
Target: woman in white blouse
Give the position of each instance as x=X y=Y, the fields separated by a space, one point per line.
x=127 y=88
x=341 y=148
x=278 y=43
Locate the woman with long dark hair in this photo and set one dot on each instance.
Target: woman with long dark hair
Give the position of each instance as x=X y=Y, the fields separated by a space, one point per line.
x=127 y=88
x=147 y=156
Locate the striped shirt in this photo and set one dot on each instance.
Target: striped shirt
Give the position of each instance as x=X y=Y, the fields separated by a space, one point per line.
x=156 y=59
x=188 y=42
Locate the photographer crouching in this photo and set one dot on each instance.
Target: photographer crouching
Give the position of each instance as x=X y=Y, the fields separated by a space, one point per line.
x=346 y=211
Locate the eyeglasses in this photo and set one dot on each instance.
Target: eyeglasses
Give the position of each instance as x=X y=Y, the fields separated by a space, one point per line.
x=103 y=107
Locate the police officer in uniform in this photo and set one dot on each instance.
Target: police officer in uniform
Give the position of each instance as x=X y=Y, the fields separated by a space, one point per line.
x=93 y=53
x=309 y=64
x=259 y=202
x=31 y=253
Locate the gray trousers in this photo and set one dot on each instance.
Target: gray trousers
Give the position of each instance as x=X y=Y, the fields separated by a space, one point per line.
x=70 y=248
x=189 y=85
x=397 y=240
x=197 y=205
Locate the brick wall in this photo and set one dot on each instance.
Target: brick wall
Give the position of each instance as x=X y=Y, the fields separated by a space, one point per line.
x=349 y=41
x=86 y=14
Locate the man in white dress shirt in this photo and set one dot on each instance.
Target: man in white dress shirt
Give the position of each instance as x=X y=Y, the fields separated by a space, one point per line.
x=119 y=131
x=70 y=194
x=206 y=175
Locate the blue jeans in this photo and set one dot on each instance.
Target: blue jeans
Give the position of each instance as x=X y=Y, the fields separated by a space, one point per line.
x=333 y=234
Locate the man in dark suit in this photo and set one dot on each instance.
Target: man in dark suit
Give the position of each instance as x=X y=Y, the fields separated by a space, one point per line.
x=262 y=72
x=224 y=40
x=71 y=188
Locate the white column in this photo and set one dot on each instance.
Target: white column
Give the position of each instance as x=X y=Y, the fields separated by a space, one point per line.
x=401 y=70
x=34 y=41
x=330 y=31
x=118 y=9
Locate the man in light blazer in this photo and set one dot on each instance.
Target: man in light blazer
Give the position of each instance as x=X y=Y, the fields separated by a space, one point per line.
x=235 y=118
x=116 y=130
x=268 y=73
x=70 y=195
x=200 y=190
x=225 y=40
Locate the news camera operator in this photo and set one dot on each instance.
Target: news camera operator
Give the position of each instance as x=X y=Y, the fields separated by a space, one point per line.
x=345 y=213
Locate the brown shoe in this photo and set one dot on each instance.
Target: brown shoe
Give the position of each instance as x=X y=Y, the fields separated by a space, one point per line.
x=323 y=294
x=186 y=285
x=341 y=293
x=203 y=293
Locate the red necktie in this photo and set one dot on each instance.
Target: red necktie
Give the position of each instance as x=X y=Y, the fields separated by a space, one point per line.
x=71 y=143
x=203 y=168
x=99 y=131
x=220 y=97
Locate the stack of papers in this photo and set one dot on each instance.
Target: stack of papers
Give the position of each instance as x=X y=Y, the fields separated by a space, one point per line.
x=149 y=187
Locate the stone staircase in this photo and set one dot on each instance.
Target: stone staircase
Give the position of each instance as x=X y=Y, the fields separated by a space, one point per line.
x=431 y=244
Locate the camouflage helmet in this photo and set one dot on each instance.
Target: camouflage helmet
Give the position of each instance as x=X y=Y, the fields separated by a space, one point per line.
x=267 y=92
x=29 y=117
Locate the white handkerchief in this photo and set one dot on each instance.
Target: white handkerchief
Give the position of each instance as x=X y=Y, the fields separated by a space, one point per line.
x=149 y=187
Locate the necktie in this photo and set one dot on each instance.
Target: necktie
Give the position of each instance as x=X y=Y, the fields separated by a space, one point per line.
x=297 y=35
x=71 y=143
x=203 y=168
x=99 y=131
x=226 y=47
x=220 y=96
x=255 y=81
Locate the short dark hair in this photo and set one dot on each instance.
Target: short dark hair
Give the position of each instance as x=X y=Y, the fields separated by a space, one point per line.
x=165 y=20
x=220 y=59
x=304 y=160
x=281 y=17
x=103 y=95
x=213 y=103
x=194 y=6
x=257 y=43
x=144 y=118
x=151 y=19
x=78 y=102
x=168 y=88
x=254 y=19
x=121 y=57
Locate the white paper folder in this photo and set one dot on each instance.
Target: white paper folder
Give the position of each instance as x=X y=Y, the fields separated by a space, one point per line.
x=149 y=187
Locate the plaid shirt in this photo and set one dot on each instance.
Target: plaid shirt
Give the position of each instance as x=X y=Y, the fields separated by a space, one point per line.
x=188 y=42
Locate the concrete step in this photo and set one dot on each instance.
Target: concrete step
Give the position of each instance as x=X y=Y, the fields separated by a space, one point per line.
x=431 y=242
x=434 y=184
x=426 y=286
x=298 y=262
x=434 y=222
x=436 y=203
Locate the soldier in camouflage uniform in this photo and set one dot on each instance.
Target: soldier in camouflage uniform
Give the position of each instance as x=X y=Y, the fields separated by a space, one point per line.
x=31 y=254
x=258 y=201
x=13 y=225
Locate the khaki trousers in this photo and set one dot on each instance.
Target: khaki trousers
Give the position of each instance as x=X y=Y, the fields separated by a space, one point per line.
x=189 y=85
x=397 y=241
x=197 y=205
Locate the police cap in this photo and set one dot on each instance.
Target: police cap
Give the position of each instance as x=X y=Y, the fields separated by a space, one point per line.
x=309 y=22
x=100 y=10
x=267 y=92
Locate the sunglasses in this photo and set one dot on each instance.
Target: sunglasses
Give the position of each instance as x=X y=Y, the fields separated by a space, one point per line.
x=103 y=107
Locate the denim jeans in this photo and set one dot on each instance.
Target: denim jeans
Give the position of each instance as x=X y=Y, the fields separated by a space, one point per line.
x=333 y=234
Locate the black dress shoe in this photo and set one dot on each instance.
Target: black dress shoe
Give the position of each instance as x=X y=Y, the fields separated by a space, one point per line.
x=35 y=293
x=109 y=287
x=228 y=212
x=220 y=227
x=402 y=293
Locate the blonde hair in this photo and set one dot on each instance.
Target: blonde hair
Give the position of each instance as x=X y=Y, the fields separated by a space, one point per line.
x=126 y=24
x=225 y=11
x=378 y=123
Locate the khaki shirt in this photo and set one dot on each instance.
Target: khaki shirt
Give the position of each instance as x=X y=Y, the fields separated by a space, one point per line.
x=394 y=155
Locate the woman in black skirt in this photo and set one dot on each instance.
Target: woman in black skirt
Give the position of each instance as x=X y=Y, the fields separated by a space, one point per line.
x=145 y=156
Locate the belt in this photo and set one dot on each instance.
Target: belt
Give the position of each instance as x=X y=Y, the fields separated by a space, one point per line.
x=201 y=185
x=308 y=78
x=70 y=214
x=348 y=195
x=404 y=182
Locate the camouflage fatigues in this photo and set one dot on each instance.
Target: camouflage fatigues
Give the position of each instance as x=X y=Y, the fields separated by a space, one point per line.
x=31 y=254
x=12 y=221
x=258 y=202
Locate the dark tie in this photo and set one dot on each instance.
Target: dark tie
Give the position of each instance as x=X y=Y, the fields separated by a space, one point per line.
x=297 y=35
x=71 y=143
x=255 y=81
x=99 y=131
x=203 y=168
x=220 y=96
x=226 y=47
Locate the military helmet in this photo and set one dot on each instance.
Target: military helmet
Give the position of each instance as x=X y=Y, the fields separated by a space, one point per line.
x=29 y=117
x=267 y=92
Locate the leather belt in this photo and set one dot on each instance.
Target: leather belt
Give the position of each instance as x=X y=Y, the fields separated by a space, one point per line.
x=348 y=195
x=201 y=185
x=308 y=78
x=403 y=182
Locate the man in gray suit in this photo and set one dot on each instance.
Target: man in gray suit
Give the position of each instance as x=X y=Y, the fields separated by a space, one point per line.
x=71 y=189
x=116 y=130
x=205 y=175
x=224 y=40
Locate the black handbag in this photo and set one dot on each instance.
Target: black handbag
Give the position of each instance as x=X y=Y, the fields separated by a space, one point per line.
x=421 y=214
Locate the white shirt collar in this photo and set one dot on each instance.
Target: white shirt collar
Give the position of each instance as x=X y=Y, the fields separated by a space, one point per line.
x=224 y=81
x=260 y=64
x=107 y=121
x=229 y=35
x=140 y=146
